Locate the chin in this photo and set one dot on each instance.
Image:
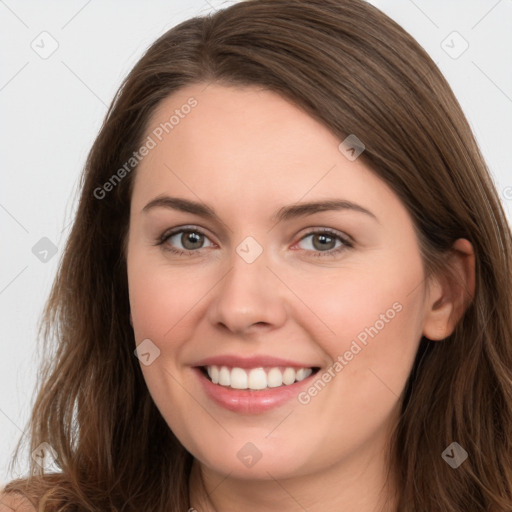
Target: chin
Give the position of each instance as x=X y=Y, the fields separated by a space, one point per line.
x=256 y=461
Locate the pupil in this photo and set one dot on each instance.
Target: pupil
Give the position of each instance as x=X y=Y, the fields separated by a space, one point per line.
x=191 y=240
x=324 y=239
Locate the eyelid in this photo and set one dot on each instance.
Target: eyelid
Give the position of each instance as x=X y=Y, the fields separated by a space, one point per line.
x=178 y=229
x=167 y=234
x=347 y=242
x=340 y=234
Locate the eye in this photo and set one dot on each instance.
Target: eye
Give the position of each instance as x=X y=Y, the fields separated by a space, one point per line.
x=183 y=241
x=189 y=240
x=325 y=242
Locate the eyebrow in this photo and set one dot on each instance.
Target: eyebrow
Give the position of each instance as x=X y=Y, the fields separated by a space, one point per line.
x=284 y=213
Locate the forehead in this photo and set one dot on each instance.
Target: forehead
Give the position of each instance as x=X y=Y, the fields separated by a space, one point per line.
x=249 y=146
x=234 y=122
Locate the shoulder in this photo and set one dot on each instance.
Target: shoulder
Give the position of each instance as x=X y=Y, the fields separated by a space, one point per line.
x=12 y=501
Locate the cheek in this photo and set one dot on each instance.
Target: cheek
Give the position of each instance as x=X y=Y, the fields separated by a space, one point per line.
x=159 y=302
x=371 y=319
x=377 y=328
x=160 y=298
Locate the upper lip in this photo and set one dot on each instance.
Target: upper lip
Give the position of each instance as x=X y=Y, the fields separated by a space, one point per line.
x=234 y=361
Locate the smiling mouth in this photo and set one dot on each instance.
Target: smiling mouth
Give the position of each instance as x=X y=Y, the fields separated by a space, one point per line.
x=256 y=379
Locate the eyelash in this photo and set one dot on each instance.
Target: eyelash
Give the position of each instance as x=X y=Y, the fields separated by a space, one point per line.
x=347 y=243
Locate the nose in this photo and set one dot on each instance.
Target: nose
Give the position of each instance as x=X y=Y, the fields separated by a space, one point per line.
x=249 y=299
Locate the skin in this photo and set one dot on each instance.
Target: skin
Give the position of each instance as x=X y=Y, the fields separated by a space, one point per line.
x=247 y=152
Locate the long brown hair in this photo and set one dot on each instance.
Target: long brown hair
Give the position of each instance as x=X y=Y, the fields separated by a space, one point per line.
x=357 y=72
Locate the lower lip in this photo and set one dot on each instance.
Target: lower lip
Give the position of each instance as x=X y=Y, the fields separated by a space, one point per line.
x=249 y=401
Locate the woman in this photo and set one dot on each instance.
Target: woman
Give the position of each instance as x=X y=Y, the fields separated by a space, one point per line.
x=287 y=285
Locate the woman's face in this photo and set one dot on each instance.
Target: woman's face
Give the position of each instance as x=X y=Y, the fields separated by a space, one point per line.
x=260 y=252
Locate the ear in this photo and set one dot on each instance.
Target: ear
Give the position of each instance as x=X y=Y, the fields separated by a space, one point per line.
x=449 y=295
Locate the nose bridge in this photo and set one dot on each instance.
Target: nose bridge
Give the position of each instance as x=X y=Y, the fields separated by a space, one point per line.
x=249 y=293
x=249 y=274
x=249 y=264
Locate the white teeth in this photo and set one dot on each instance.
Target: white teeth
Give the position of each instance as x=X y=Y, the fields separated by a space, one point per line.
x=303 y=373
x=274 y=378
x=213 y=372
x=238 y=378
x=289 y=376
x=256 y=378
x=224 y=376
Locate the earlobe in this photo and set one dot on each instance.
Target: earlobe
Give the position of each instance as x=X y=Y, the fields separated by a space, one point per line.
x=451 y=294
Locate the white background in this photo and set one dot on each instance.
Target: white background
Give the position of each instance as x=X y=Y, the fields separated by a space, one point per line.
x=51 y=109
